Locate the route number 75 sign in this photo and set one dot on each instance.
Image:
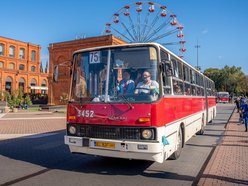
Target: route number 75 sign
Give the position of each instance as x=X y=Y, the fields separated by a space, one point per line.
x=95 y=57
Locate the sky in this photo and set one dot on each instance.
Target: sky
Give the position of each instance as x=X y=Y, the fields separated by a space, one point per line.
x=219 y=26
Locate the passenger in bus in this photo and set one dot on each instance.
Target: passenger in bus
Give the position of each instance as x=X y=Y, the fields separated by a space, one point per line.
x=126 y=85
x=138 y=77
x=188 y=91
x=177 y=89
x=147 y=86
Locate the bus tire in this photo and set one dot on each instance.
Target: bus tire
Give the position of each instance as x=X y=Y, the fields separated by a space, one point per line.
x=177 y=153
x=201 y=131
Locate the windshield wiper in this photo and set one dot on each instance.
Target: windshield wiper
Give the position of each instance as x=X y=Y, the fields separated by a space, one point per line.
x=126 y=100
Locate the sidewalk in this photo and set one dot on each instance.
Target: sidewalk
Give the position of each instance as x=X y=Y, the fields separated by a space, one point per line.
x=229 y=162
x=23 y=124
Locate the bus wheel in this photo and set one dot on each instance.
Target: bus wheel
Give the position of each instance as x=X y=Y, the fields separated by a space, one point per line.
x=201 y=132
x=177 y=153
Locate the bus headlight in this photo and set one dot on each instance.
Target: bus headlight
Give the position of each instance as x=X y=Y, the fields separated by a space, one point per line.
x=147 y=134
x=72 y=130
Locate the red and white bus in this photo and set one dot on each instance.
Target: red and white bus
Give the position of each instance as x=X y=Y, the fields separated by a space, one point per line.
x=223 y=97
x=150 y=126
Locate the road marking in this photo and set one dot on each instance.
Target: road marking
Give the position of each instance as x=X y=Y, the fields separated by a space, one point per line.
x=30 y=135
x=42 y=135
x=35 y=118
x=2 y=115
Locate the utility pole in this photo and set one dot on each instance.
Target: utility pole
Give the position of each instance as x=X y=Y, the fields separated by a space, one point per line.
x=197 y=46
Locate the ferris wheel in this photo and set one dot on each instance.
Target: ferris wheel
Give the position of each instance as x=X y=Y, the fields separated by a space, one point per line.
x=142 y=22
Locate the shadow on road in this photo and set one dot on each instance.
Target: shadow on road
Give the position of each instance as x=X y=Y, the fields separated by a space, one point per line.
x=51 y=153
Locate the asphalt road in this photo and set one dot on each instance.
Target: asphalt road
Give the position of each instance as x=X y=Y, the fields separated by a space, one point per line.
x=45 y=160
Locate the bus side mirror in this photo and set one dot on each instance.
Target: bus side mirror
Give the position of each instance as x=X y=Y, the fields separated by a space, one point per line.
x=167 y=68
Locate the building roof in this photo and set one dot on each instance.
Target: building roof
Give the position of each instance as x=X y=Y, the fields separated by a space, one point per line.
x=18 y=41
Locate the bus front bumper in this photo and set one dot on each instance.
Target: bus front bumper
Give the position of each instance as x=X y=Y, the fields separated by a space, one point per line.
x=142 y=150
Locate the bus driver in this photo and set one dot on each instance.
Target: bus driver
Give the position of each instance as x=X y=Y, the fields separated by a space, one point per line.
x=147 y=86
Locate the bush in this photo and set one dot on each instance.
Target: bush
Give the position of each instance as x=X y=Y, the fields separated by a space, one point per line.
x=17 y=99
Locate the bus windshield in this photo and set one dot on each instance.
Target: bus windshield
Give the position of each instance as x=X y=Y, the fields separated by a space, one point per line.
x=123 y=74
x=223 y=94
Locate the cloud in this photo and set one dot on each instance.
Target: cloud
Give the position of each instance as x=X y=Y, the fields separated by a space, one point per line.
x=205 y=31
x=220 y=57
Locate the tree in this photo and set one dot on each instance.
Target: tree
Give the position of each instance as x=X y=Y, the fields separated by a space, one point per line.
x=17 y=99
x=230 y=79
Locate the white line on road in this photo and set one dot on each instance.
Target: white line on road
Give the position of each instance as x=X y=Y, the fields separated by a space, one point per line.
x=30 y=135
x=35 y=118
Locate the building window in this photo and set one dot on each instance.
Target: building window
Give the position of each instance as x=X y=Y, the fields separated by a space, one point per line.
x=21 y=84
x=22 y=53
x=1 y=64
x=11 y=51
x=33 y=56
x=1 y=49
x=33 y=85
x=43 y=84
x=21 y=67
x=11 y=66
x=8 y=84
x=32 y=68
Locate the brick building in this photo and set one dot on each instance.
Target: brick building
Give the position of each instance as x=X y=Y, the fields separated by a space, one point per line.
x=20 y=67
x=60 y=55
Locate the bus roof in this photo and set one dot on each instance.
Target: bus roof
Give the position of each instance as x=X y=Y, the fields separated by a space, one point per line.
x=141 y=44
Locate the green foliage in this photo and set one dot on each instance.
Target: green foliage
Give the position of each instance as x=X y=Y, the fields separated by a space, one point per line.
x=27 y=100
x=230 y=79
x=16 y=99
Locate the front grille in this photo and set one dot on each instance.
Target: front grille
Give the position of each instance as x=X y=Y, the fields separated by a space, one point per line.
x=110 y=132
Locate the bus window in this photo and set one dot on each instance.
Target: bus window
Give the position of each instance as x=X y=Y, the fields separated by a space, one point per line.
x=194 y=93
x=187 y=89
x=166 y=80
x=198 y=91
x=103 y=70
x=175 y=67
x=178 y=87
x=193 y=77
x=180 y=70
x=186 y=73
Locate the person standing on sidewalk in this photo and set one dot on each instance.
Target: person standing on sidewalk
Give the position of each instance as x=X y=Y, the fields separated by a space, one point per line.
x=245 y=114
x=237 y=104
x=242 y=105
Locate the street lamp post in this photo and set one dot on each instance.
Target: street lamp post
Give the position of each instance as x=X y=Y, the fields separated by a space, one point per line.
x=197 y=46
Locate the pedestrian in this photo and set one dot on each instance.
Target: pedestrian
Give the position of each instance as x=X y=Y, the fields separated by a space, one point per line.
x=242 y=105
x=237 y=104
x=245 y=114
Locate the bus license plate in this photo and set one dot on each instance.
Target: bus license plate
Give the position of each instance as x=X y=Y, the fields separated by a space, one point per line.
x=105 y=145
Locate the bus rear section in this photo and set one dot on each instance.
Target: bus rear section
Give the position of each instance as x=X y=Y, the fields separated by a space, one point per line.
x=223 y=97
